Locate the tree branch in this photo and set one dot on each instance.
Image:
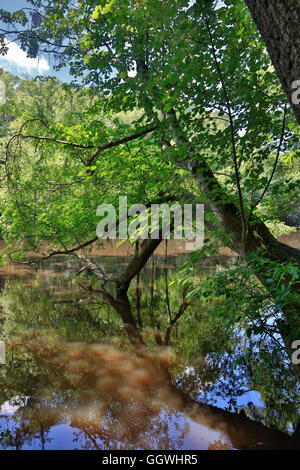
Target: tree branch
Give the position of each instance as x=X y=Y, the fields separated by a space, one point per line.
x=119 y=142
x=275 y=163
x=57 y=141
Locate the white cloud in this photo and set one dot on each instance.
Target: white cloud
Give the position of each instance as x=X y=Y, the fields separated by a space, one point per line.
x=17 y=62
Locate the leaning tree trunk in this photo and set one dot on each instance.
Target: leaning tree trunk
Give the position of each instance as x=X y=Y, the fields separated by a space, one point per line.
x=278 y=22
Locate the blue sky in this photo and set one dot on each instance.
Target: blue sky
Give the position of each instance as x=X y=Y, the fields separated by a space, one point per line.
x=16 y=60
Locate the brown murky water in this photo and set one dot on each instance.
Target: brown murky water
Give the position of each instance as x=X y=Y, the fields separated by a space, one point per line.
x=73 y=380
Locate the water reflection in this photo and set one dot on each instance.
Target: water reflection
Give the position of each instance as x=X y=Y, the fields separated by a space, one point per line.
x=73 y=380
x=108 y=397
x=112 y=397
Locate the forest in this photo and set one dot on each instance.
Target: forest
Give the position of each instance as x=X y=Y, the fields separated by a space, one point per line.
x=138 y=342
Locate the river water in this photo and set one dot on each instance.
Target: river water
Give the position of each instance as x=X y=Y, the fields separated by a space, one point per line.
x=72 y=379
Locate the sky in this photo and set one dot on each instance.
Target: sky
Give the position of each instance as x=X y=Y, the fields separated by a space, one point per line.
x=16 y=61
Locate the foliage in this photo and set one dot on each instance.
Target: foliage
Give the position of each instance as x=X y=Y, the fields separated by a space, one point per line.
x=170 y=100
x=243 y=299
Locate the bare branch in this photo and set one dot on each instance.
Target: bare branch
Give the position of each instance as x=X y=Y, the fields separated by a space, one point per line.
x=62 y=252
x=57 y=141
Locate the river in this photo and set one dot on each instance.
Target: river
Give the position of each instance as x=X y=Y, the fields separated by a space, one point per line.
x=73 y=380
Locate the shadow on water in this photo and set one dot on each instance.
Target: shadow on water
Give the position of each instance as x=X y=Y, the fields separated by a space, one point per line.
x=73 y=380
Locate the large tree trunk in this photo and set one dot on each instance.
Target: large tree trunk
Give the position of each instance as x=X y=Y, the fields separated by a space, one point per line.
x=278 y=22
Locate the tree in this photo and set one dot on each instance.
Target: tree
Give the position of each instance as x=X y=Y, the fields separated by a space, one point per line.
x=278 y=23
x=196 y=65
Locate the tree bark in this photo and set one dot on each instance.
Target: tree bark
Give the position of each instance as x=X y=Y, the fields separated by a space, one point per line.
x=278 y=22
